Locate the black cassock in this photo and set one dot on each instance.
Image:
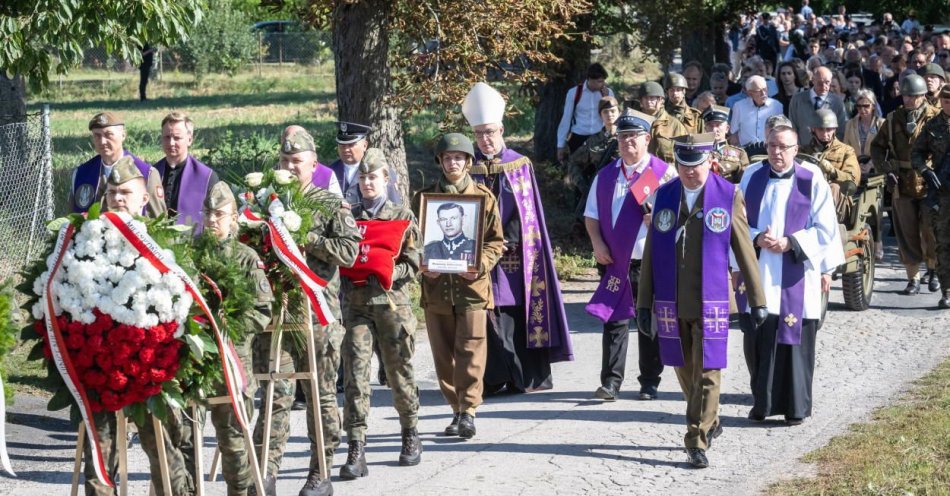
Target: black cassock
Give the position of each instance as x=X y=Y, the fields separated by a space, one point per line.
x=781 y=374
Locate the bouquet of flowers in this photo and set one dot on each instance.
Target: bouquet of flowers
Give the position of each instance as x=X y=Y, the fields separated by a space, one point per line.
x=275 y=216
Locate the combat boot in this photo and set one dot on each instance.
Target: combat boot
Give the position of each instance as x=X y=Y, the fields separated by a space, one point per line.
x=933 y=282
x=355 y=465
x=316 y=485
x=411 y=453
x=913 y=287
x=270 y=487
x=944 y=302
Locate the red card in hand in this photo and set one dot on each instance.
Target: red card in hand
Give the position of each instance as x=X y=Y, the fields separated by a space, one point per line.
x=645 y=185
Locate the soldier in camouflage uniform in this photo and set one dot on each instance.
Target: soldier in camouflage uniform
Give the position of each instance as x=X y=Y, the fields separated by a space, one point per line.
x=837 y=160
x=730 y=160
x=372 y=312
x=933 y=146
x=220 y=219
x=891 y=149
x=665 y=126
x=332 y=242
x=599 y=150
x=676 y=104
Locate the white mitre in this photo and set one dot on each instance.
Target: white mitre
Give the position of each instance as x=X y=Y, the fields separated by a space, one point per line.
x=483 y=105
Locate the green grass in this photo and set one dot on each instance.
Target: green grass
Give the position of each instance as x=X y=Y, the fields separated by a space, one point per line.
x=904 y=449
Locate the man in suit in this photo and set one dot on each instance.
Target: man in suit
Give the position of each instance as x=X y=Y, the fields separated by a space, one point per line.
x=804 y=106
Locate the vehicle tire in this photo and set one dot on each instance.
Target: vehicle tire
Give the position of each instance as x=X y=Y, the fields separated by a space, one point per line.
x=858 y=286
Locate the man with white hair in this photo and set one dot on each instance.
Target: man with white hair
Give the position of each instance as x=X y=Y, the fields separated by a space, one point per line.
x=528 y=326
x=804 y=106
x=749 y=114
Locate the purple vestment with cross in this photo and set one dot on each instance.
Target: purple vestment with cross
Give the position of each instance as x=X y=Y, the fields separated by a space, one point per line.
x=89 y=177
x=718 y=196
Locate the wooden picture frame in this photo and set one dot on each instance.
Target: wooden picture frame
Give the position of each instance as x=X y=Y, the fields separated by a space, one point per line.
x=453 y=230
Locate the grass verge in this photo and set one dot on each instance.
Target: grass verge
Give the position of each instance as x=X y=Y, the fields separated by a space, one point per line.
x=904 y=449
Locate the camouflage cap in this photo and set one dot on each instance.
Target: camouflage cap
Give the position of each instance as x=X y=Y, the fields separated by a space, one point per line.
x=105 y=119
x=297 y=142
x=675 y=80
x=454 y=142
x=124 y=171
x=373 y=160
x=651 y=88
x=932 y=69
x=219 y=197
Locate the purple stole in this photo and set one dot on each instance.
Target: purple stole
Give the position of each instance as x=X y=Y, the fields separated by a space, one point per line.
x=718 y=195
x=192 y=191
x=546 y=320
x=89 y=178
x=613 y=299
x=793 y=273
x=321 y=176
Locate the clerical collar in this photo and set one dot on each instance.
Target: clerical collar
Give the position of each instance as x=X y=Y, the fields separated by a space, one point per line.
x=176 y=164
x=781 y=175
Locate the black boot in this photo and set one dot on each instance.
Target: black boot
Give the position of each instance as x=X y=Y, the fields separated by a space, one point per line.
x=270 y=487
x=355 y=465
x=453 y=428
x=933 y=282
x=316 y=485
x=411 y=453
x=697 y=457
x=944 y=302
x=913 y=287
x=466 y=426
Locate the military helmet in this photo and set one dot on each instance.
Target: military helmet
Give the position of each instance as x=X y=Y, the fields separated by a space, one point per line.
x=826 y=119
x=651 y=88
x=913 y=85
x=454 y=142
x=675 y=80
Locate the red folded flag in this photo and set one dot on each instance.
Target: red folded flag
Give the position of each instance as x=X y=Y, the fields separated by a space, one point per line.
x=378 y=251
x=644 y=186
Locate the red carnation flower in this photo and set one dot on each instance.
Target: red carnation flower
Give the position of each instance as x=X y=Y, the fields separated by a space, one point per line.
x=110 y=401
x=40 y=327
x=93 y=378
x=117 y=380
x=133 y=368
x=75 y=341
x=104 y=361
x=93 y=343
x=74 y=327
x=85 y=360
x=136 y=335
x=147 y=355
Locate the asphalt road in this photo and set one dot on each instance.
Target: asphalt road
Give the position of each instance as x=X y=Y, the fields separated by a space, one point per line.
x=563 y=441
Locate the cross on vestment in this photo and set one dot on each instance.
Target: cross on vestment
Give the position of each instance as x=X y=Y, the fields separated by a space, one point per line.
x=667 y=320
x=510 y=264
x=521 y=185
x=718 y=319
x=538 y=336
x=742 y=288
x=537 y=286
x=790 y=320
x=613 y=284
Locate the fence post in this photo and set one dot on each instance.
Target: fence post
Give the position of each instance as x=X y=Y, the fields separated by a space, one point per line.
x=260 y=54
x=48 y=160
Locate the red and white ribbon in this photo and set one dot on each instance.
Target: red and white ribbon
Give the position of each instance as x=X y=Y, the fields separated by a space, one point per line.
x=283 y=245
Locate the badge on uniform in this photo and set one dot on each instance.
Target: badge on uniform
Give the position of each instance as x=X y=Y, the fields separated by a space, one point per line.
x=664 y=220
x=84 y=196
x=717 y=220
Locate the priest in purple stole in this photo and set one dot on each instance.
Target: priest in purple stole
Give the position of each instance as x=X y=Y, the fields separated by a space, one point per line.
x=185 y=180
x=793 y=224
x=618 y=251
x=88 y=184
x=528 y=327
x=685 y=288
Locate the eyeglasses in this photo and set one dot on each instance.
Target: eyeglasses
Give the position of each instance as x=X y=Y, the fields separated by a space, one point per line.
x=780 y=148
x=488 y=133
x=863 y=105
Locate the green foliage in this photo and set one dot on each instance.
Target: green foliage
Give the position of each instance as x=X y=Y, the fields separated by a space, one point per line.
x=45 y=36
x=224 y=282
x=223 y=42
x=8 y=333
x=241 y=155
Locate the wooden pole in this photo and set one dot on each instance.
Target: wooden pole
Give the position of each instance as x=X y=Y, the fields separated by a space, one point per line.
x=275 y=348
x=122 y=444
x=315 y=395
x=197 y=436
x=80 y=441
x=159 y=432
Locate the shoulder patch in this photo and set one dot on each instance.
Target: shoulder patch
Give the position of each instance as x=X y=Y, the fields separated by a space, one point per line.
x=348 y=220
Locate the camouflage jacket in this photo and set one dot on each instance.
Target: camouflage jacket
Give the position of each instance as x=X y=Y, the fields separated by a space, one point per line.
x=665 y=128
x=404 y=271
x=590 y=155
x=932 y=144
x=333 y=241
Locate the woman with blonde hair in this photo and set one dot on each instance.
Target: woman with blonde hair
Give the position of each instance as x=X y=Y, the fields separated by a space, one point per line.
x=859 y=132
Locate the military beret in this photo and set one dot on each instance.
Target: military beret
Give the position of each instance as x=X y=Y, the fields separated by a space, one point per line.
x=297 y=142
x=634 y=122
x=349 y=132
x=373 y=160
x=105 y=119
x=932 y=69
x=124 y=171
x=606 y=103
x=219 y=197
x=675 y=80
x=716 y=113
x=651 y=88
x=691 y=150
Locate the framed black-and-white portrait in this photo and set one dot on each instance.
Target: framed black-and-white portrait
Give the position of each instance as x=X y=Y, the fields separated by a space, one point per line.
x=452 y=232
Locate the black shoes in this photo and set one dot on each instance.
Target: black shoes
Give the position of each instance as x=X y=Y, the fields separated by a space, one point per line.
x=933 y=282
x=453 y=428
x=913 y=287
x=713 y=434
x=316 y=485
x=466 y=426
x=606 y=393
x=270 y=487
x=381 y=376
x=944 y=302
x=648 y=393
x=355 y=465
x=411 y=453
x=793 y=421
x=755 y=417
x=697 y=457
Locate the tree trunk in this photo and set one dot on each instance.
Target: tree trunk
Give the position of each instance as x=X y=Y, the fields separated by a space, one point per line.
x=575 y=52
x=700 y=44
x=12 y=99
x=363 y=82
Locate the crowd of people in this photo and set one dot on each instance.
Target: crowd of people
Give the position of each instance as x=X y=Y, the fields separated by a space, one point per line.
x=693 y=192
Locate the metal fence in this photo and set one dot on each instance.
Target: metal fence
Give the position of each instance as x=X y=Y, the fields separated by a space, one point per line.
x=26 y=189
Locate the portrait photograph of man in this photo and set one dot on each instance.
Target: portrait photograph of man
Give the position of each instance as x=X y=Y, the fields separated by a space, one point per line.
x=451 y=228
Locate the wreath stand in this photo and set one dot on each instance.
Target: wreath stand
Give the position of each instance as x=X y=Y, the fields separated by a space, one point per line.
x=274 y=373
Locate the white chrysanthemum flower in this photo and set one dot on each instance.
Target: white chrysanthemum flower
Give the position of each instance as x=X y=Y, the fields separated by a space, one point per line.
x=254 y=179
x=39 y=309
x=127 y=259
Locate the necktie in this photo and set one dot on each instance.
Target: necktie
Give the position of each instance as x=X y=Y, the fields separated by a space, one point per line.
x=817 y=102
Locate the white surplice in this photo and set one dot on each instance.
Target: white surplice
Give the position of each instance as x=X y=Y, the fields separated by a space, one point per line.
x=820 y=240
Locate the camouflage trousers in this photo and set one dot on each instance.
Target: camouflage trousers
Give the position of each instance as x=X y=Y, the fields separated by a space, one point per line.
x=293 y=357
x=941 y=223
x=394 y=332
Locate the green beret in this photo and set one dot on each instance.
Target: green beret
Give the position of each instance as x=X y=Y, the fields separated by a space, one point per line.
x=105 y=119
x=219 y=197
x=373 y=160
x=297 y=142
x=124 y=171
